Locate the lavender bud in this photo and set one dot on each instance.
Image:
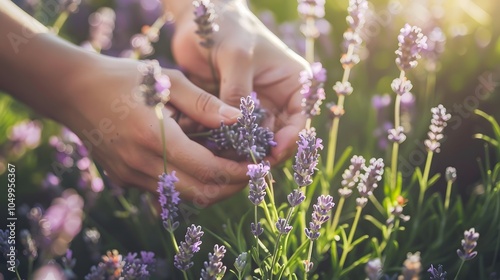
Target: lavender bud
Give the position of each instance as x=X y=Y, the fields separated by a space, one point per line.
x=401 y=86
x=343 y=88
x=396 y=135
x=205 y=15
x=373 y=269
x=411 y=42
x=296 y=197
x=312 y=90
x=187 y=248
x=241 y=262
x=356 y=17
x=451 y=174
x=345 y=192
x=438 y=123
x=169 y=199
x=361 y=201
x=256 y=229
x=351 y=175
x=282 y=226
x=320 y=215
x=437 y=274
x=412 y=266
x=155 y=86
x=214 y=268
x=311 y=8
x=307 y=157
x=468 y=244
x=257 y=183
x=369 y=180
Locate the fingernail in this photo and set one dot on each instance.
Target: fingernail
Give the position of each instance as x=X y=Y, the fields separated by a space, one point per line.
x=229 y=112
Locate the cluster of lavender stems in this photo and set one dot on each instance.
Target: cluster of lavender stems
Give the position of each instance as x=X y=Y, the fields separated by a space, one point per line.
x=411 y=42
x=356 y=20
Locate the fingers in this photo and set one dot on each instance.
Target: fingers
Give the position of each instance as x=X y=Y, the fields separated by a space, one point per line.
x=199 y=105
x=234 y=61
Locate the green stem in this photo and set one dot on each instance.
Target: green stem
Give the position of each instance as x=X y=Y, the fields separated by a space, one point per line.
x=425 y=178
x=287 y=221
x=351 y=236
x=310 y=40
x=336 y=218
x=61 y=19
x=377 y=204
x=17 y=274
x=309 y=256
x=448 y=194
x=395 y=145
x=256 y=236
x=159 y=115
x=459 y=269
x=176 y=248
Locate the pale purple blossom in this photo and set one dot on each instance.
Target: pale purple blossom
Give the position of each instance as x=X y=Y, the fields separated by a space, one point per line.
x=257 y=183
x=307 y=156
x=411 y=43
x=401 y=86
x=155 y=86
x=101 y=26
x=187 y=248
x=311 y=8
x=214 y=269
x=256 y=229
x=312 y=90
x=438 y=123
x=373 y=269
x=468 y=244
x=344 y=88
x=205 y=15
x=396 y=135
x=350 y=177
x=296 y=197
x=169 y=199
x=437 y=273
x=369 y=180
x=356 y=17
x=282 y=226
x=412 y=266
x=320 y=215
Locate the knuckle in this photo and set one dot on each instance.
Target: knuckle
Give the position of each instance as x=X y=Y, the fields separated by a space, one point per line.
x=204 y=102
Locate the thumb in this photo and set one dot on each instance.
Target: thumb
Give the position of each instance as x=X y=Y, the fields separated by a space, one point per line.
x=235 y=68
x=198 y=104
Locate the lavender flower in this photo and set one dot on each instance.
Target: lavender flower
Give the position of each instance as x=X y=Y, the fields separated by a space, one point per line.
x=397 y=212
x=241 y=262
x=113 y=264
x=369 y=180
x=356 y=17
x=343 y=88
x=296 y=197
x=351 y=175
x=320 y=215
x=373 y=269
x=451 y=174
x=214 y=268
x=437 y=274
x=139 y=268
x=412 y=266
x=155 y=86
x=401 y=86
x=438 y=123
x=411 y=42
x=307 y=156
x=257 y=183
x=312 y=90
x=246 y=136
x=187 y=248
x=311 y=8
x=396 y=135
x=169 y=199
x=282 y=226
x=205 y=15
x=436 y=41
x=468 y=244
x=256 y=229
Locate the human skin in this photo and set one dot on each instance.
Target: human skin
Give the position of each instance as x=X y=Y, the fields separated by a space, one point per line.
x=246 y=57
x=95 y=96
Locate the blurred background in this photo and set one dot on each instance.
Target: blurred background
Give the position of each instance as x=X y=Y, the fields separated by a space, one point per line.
x=461 y=70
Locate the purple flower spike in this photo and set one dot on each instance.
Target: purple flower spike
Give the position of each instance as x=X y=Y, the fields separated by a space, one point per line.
x=312 y=90
x=169 y=199
x=311 y=8
x=411 y=42
x=438 y=123
x=187 y=248
x=282 y=226
x=350 y=177
x=468 y=244
x=257 y=183
x=296 y=197
x=356 y=17
x=307 y=157
x=256 y=229
x=371 y=177
x=205 y=15
x=437 y=273
x=214 y=268
x=320 y=215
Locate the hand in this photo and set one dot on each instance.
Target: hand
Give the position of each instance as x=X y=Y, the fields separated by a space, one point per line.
x=246 y=57
x=124 y=137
